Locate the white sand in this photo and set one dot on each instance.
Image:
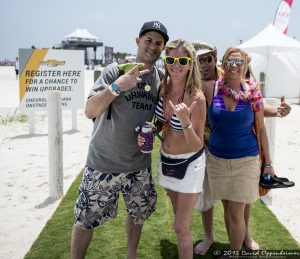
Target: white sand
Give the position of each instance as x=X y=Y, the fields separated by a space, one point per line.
x=285 y=203
x=24 y=191
x=25 y=205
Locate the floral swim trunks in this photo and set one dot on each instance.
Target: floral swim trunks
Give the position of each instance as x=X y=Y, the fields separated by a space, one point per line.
x=99 y=193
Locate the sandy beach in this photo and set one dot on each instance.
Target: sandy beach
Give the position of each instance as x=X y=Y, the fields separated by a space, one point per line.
x=285 y=203
x=25 y=205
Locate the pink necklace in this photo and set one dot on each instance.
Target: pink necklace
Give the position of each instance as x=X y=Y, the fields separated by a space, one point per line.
x=236 y=96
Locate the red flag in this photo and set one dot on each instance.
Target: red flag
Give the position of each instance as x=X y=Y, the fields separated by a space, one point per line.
x=281 y=20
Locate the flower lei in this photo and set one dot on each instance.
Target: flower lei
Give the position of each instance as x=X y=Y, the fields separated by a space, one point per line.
x=251 y=93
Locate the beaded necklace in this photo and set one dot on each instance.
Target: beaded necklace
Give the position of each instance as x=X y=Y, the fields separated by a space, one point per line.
x=168 y=115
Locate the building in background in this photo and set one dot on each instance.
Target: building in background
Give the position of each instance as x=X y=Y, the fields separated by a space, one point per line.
x=82 y=39
x=108 y=55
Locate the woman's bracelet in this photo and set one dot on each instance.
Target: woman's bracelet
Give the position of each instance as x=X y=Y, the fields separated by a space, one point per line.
x=189 y=126
x=268 y=166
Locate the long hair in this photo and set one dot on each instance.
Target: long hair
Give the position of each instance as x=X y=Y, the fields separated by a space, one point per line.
x=193 y=82
x=248 y=66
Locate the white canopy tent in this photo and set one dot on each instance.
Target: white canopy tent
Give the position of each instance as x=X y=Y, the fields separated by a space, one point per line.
x=278 y=56
x=82 y=34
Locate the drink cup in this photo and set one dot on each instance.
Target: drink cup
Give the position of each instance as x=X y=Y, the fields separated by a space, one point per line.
x=147 y=133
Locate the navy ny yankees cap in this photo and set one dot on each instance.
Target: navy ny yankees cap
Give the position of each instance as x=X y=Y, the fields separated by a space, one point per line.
x=155 y=26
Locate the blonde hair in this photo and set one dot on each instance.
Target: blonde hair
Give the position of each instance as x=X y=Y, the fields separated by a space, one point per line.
x=193 y=82
x=229 y=51
x=220 y=72
x=248 y=65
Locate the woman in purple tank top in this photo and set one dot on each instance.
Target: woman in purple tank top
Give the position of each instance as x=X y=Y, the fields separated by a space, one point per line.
x=233 y=163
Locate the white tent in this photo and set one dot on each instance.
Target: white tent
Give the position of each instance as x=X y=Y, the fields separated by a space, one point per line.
x=278 y=56
x=83 y=34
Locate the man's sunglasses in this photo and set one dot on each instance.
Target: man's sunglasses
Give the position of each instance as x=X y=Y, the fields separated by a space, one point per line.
x=204 y=60
x=238 y=62
x=183 y=61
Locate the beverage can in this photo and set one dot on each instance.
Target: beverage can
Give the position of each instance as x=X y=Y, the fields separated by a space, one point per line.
x=147 y=133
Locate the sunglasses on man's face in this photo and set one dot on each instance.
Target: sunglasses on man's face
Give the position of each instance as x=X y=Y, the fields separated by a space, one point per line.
x=205 y=60
x=183 y=61
x=238 y=62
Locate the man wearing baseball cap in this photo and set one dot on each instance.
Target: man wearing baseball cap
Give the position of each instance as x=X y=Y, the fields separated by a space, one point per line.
x=155 y=26
x=115 y=163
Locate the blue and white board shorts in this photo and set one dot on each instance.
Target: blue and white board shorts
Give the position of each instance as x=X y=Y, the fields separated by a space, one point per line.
x=99 y=194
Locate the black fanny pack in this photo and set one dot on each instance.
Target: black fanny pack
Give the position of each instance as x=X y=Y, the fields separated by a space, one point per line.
x=177 y=167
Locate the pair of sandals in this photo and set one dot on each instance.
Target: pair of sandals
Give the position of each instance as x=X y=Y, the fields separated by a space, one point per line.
x=272 y=182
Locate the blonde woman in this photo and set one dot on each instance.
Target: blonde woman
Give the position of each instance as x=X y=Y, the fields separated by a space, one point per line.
x=233 y=165
x=182 y=111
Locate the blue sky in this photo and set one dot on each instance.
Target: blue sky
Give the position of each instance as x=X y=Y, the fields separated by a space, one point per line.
x=117 y=22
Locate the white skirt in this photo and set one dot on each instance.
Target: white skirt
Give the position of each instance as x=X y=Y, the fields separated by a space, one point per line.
x=193 y=179
x=205 y=201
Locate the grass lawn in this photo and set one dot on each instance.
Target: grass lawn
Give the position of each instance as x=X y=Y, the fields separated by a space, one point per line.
x=158 y=238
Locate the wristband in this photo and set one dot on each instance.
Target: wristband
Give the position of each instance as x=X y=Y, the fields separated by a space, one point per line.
x=116 y=88
x=113 y=92
x=268 y=165
x=189 y=126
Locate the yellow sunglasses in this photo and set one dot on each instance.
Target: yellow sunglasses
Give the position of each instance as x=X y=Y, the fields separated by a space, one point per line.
x=183 y=61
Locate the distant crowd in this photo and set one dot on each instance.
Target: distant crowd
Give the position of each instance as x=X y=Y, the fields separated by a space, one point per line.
x=7 y=62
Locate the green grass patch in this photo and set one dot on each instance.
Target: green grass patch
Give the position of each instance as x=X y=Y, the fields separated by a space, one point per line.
x=158 y=238
x=14 y=117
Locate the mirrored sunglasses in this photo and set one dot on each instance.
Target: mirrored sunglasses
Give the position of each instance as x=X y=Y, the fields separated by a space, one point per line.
x=204 y=60
x=238 y=62
x=183 y=61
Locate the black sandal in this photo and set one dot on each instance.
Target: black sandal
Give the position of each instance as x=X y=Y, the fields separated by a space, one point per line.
x=276 y=182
